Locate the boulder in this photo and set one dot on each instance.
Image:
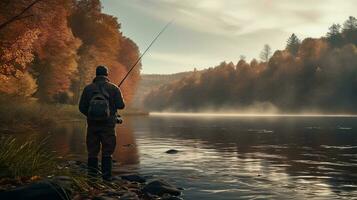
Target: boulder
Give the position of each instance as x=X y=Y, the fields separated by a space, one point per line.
x=160 y=187
x=172 y=151
x=134 y=178
x=130 y=196
x=41 y=190
x=171 y=198
x=104 y=198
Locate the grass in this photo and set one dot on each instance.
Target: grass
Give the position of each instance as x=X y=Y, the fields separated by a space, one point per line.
x=19 y=115
x=26 y=159
x=30 y=161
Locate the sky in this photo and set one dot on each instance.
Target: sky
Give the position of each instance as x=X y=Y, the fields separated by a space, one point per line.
x=207 y=32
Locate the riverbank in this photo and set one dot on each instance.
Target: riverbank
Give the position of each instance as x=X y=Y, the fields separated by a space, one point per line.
x=28 y=115
x=29 y=171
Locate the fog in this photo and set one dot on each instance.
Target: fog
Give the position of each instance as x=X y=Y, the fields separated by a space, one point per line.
x=311 y=76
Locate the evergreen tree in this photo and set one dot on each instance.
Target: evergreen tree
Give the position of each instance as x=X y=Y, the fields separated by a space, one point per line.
x=265 y=54
x=350 y=24
x=350 y=30
x=293 y=44
x=242 y=57
x=334 y=35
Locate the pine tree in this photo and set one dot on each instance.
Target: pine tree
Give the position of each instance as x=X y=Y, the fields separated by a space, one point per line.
x=350 y=24
x=293 y=44
x=242 y=57
x=334 y=35
x=265 y=54
x=350 y=30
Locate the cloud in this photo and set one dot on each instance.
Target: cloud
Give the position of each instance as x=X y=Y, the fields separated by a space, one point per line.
x=184 y=60
x=206 y=32
x=232 y=17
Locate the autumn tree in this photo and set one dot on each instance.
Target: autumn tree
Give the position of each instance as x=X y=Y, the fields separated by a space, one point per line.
x=102 y=44
x=18 y=36
x=56 y=61
x=293 y=44
x=265 y=54
x=53 y=47
x=20 y=15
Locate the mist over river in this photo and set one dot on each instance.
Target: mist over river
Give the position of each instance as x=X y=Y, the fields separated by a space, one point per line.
x=233 y=157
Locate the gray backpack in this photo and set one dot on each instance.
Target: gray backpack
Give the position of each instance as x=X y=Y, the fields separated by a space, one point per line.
x=99 y=109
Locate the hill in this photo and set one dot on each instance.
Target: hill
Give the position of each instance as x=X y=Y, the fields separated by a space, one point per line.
x=150 y=82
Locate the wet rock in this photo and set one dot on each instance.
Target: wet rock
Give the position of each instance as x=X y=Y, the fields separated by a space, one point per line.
x=105 y=198
x=36 y=191
x=172 y=151
x=171 y=198
x=63 y=181
x=160 y=187
x=72 y=162
x=134 y=178
x=130 y=196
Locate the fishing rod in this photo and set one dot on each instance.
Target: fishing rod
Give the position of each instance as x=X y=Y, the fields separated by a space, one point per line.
x=138 y=60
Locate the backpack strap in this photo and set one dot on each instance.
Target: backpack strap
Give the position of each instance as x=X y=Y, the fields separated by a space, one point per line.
x=102 y=91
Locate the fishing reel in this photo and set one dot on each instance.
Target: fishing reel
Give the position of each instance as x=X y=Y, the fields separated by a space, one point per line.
x=118 y=119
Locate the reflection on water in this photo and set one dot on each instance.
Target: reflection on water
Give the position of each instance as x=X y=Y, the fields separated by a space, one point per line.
x=68 y=140
x=235 y=157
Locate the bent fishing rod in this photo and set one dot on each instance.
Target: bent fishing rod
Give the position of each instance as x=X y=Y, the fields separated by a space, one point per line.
x=141 y=56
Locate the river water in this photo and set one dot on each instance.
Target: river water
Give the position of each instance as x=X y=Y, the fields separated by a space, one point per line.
x=234 y=157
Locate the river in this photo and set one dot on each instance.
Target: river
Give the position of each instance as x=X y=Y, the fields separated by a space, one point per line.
x=234 y=157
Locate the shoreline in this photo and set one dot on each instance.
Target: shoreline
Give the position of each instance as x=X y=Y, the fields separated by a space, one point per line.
x=78 y=186
x=210 y=114
x=30 y=171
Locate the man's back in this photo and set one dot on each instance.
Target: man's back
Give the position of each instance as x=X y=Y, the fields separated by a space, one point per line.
x=101 y=135
x=110 y=90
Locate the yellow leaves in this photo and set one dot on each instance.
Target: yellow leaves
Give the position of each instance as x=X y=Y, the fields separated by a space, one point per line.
x=312 y=49
x=17 y=54
x=24 y=85
x=68 y=39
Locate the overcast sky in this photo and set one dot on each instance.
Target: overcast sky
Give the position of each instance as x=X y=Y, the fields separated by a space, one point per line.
x=207 y=32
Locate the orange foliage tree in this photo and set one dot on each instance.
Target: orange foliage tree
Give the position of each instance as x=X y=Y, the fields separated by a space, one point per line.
x=56 y=45
x=102 y=44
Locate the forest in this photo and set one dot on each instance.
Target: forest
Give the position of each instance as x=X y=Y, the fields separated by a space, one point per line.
x=312 y=75
x=49 y=49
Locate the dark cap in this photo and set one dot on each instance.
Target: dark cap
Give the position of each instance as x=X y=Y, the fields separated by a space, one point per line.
x=101 y=71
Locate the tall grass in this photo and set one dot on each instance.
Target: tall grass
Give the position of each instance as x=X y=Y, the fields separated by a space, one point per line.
x=26 y=159
x=31 y=158
x=22 y=114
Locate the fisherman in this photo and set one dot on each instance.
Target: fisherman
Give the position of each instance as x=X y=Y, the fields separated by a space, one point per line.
x=99 y=102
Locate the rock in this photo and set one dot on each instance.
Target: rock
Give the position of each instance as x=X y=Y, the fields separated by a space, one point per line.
x=160 y=187
x=171 y=198
x=172 y=151
x=63 y=181
x=130 y=196
x=36 y=191
x=71 y=162
x=134 y=178
x=104 y=198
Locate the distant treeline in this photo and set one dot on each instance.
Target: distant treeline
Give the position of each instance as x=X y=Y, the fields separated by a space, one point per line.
x=148 y=82
x=310 y=75
x=49 y=48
